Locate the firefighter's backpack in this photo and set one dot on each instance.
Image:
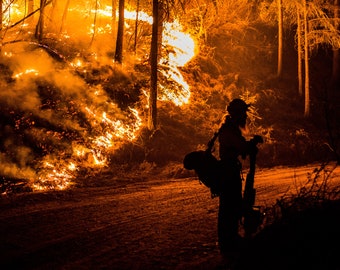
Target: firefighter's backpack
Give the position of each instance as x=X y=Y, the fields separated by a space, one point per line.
x=207 y=168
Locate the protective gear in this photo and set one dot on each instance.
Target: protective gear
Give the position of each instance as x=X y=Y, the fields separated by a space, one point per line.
x=237 y=106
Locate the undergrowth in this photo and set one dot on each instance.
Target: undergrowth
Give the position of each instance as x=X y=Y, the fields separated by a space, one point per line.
x=317 y=191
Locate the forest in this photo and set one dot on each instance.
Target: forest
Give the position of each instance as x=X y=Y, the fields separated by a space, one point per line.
x=93 y=86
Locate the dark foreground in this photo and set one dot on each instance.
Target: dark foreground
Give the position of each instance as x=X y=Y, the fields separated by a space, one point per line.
x=162 y=224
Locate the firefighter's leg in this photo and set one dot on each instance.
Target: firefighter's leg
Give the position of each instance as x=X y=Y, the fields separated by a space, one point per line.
x=228 y=225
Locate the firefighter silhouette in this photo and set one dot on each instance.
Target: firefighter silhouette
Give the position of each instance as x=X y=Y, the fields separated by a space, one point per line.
x=232 y=146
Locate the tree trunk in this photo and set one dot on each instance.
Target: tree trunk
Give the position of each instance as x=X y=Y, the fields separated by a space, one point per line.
x=336 y=62
x=307 y=101
x=299 y=48
x=280 y=38
x=120 y=33
x=152 y=121
x=114 y=20
x=39 y=33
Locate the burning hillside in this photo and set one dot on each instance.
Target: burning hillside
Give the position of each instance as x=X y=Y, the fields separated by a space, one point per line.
x=67 y=107
x=53 y=123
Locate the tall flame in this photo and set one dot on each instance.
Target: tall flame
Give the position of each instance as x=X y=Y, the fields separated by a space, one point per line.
x=182 y=51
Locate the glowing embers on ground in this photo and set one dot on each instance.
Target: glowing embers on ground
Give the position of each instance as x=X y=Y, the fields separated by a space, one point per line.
x=114 y=128
x=107 y=128
x=58 y=174
x=54 y=177
x=27 y=71
x=76 y=63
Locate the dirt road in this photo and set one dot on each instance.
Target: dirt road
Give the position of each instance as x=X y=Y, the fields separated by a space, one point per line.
x=157 y=224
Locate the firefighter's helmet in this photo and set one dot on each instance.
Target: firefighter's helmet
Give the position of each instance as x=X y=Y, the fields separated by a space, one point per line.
x=237 y=106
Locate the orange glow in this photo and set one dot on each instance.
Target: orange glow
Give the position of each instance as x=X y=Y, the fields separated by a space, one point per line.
x=12 y=12
x=27 y=71
x=110 y=127
x=54 y=177
x=182 y=51
x=76 y=63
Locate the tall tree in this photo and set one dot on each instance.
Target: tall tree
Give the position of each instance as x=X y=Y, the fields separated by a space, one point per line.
x=306 y=49
x=120 y=33
x=319 y=30
x=314 y=28
x=280 y=38
x=299 y=48
x=39 y=32
x=152 y=120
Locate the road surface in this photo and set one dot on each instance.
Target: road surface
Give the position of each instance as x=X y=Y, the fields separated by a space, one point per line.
x=154 y=224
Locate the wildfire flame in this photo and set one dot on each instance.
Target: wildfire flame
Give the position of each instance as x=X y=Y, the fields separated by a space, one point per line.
x=58 y=172
x=27 y=71
x=182 y=51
